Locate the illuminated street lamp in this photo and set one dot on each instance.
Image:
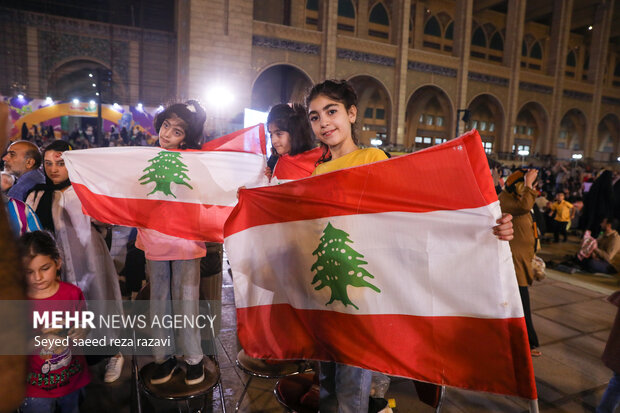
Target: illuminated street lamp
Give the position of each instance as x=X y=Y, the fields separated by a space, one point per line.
x=219 y=96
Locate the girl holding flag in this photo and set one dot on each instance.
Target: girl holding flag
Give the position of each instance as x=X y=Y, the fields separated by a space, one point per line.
x=174 y=263
x=332 y=111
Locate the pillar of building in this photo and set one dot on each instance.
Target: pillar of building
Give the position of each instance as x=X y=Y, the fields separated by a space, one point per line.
x=32 y=43
x=418 y=24
x=556 y=65
x=515 y=21
x=298 y=14
x=133 y=91
x=220 y=57
x=182 y=29
x=362 y=19
x=399 y=100
x=462 y=46
x=329 y=26
x=596 y=72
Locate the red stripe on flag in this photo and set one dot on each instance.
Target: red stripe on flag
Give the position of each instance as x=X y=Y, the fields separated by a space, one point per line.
x=180 y=219
x=250 y=140
x=297 y=166
x=454 y=175
x=471 y=353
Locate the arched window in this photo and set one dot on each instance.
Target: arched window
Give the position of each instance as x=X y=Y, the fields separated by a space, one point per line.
x=450 y=31
x=379 y=15
x=345 y=9
x=571 y=60
x=379 y=22
x=312 y=14
x=346 y=16
x=536 y=51
x=497 y=43
x=523 y=48
x=432 y=27
x=478 y=38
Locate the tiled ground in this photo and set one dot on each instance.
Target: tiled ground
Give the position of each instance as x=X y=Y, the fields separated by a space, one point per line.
x=572 y=323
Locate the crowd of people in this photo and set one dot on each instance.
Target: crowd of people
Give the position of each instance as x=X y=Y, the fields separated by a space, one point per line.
x=66 y=254
x=86 y=137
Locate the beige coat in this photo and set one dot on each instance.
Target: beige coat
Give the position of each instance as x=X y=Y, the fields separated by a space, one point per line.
x=522 y=245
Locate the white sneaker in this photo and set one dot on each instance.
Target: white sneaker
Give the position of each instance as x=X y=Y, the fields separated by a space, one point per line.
x=114 y=368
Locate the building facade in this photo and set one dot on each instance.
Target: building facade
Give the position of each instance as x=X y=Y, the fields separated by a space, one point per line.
x=540 y=79
x=529 y=79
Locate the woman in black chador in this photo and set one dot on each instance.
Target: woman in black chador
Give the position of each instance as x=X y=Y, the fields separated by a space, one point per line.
x=598 y=203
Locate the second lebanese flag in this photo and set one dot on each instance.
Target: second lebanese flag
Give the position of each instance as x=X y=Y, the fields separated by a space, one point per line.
x=390 y=266
x=187 y=194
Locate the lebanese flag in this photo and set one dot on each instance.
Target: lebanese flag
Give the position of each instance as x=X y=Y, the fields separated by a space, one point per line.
x=289 y=168
x=182 y=193
x=390 y=266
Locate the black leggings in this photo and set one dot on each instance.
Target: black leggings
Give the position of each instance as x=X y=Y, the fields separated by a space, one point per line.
x=527 y=313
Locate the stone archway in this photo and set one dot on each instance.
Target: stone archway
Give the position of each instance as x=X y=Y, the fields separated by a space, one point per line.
x=572 y=136
x=429 y=118
x=530 y=128
x=608 y=139
x=280 y=83
x=374 y=110
x=72 y=80
x=487 y=117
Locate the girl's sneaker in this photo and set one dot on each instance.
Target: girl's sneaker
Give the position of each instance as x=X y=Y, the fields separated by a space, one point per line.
x=163 y=372
x=194 y=374
x=114 y=368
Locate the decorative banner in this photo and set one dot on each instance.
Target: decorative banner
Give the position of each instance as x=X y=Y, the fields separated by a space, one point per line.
x=187 y=194
x=391 y=266
x=48 y=112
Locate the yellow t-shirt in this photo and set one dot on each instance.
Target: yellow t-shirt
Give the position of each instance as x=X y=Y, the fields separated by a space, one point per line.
x=562 y=209
x=355 y=158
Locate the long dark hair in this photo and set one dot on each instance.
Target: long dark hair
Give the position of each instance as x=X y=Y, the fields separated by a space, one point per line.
x=194 y=117
x=340 y=91
x=293 y=120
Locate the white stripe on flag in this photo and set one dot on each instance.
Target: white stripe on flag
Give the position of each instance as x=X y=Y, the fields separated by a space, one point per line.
x=214 y=176
x=440 y=263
